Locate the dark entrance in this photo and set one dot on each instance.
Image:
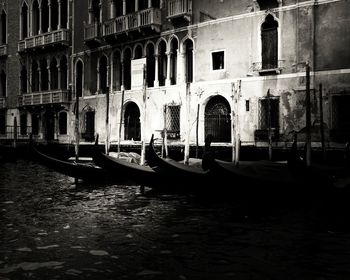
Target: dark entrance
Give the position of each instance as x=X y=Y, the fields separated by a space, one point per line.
x=49 y=126
x=89 y=126
x=132 y=124
x=218 y=119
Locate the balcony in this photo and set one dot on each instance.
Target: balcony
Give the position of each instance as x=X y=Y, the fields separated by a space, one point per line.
x=3 y=50
x=2 y=102
x=267 y=69
x=43 y=98
x=92 y=33
x=44 y=40
x=149 y=18
x=179 y=10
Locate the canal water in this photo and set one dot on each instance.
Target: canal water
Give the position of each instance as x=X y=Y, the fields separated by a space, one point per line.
x=54 y=229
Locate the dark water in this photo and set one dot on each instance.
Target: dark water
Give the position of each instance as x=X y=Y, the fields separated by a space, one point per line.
x=53 y=229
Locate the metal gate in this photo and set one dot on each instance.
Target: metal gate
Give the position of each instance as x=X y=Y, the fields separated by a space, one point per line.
x=218 y=119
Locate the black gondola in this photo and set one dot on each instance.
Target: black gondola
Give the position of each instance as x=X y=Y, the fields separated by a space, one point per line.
x=130 y=172
x=84 y=171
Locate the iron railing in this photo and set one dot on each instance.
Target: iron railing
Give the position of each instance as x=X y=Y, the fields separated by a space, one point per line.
x=92 y=31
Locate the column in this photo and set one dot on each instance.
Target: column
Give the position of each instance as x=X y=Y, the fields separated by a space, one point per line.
x=124 y=7
x=180 y=68
x=39 y=74
x=59 y=84
x=29 y=28
x=168 y=68
x=30 y=19
x=90 y=15
x=40 y=19
x=48 y=67
x=149 y=3
x=156 y=79
x=122 y=74
x=98 y=78
x=59 y=14
x=136 y=5
x=113 y=10
x=30 y=74
x=50 y=16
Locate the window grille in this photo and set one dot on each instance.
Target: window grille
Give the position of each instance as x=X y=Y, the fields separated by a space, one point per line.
x=264 y=116
x=173 y=121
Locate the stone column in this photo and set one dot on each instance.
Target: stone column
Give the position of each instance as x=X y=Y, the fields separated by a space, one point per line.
x=124 y=7
x=59 y=15
x=50 y=16
x=98 y=78
x=39 y=78
x=168 y=68
x=180 y=68
x=59 y=86
x=149 y=3
x=48 y=67
x=113 y=10
x=136 y=5
x=156 y=70
x=40 y=19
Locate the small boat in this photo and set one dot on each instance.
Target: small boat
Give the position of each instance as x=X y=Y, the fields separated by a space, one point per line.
x=84 y=171
x=129 y=171
x=176 y=172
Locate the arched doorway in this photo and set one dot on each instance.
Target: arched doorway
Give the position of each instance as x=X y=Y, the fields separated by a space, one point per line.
x=132 y=126
x=218 y=119
x=49 y=122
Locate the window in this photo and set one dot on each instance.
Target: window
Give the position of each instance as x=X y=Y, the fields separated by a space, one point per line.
x=3 y=84
x=218 y=60
x=35 y=124
x=23 y=124
x=269 y=43
x=173 y=121
x=269 y=113
x=341 y=117
x=62 y=123
x=2 y=123
x=3 y=29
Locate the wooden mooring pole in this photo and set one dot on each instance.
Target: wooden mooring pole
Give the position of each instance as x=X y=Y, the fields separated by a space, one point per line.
x=308 y=117
x=322 y=125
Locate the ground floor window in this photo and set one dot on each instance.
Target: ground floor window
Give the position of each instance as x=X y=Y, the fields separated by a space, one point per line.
x=341 y=117
x=173 y=121
x=269 y=113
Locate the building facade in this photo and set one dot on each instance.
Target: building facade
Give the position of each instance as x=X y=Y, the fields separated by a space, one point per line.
x=180 y=68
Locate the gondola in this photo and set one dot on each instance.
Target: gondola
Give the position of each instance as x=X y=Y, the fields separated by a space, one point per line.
x=84 y=171
x=176 y=172
x=130 y=172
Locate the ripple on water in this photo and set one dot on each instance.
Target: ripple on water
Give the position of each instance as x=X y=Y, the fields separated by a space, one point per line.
x=30 y=266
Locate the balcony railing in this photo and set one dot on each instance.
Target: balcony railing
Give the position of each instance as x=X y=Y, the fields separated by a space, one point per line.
x=59 y=36
x=3 y=50
x=265 y=67
x=92 y=31
x=42 y=98
x=149 y=17
x=2 y=102
x=179 y=8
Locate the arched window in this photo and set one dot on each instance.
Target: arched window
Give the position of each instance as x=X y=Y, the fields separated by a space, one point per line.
x=138 y=52
x=269 y=43
x=162 y=63
x=63 y=69
x=3 y=29
x=54 y=74
x=150 y=61
x=3 y=84
x=24 y=15
x=173 y=61
x=96 y=10
x=143 y=4
x=119 y=7
x=64 y=17
x=130 y=6
x=35 y=76
x=132 y=125
x=218 y=119
x=44 y=16
x=62 y=123
x=24 y=83
x=35 y=18
x=188 y=46
x=44 y=75
x=127 y=68
x=79 y=79
x=117 y=71
x=103 y=74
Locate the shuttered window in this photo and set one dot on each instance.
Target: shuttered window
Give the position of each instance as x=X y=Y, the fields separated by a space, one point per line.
x=269 y=42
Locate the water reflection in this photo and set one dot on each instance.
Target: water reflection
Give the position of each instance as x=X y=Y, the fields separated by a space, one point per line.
x=54 y=229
